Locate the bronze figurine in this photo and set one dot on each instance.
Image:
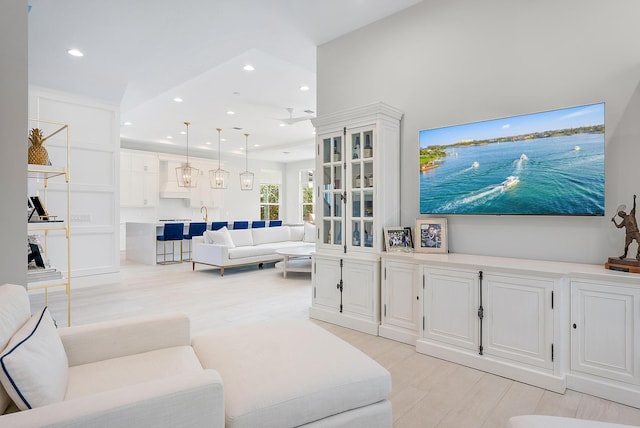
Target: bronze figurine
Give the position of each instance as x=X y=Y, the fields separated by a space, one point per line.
x=630 y=223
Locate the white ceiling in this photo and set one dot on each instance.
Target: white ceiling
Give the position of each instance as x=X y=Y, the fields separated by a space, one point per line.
x=140 y=55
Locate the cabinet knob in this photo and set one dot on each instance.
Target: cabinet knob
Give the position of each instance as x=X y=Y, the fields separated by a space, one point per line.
x=417 y=297
x=575 y=326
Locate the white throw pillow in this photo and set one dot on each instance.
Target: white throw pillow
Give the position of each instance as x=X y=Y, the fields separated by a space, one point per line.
x=309 y=232
x=34 y=367
x=241 y=237
x=219 y=237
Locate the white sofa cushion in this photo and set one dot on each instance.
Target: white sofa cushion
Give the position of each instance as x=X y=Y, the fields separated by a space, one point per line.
x=219 y=237
x=309 y=232
x=100 y=376
x=267 y=235
x=34 y=364
x=296 y=232
x=277 y=373
x=14 y=312
x=241 y=237
x=252 y=251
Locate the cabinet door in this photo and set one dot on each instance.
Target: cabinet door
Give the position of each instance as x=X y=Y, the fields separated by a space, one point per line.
x=518 y=319
x=326 y=276
x=400 y=295
x=361 y=204
x=604 y=331
x=450 y=307
x=331 y=185
x=360 y=288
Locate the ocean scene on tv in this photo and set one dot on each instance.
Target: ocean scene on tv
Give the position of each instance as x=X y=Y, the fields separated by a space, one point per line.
x=549 y=163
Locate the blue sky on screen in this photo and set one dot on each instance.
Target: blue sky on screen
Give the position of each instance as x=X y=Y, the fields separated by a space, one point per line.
x=572 y=117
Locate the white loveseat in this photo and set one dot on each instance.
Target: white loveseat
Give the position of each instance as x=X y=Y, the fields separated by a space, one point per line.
x=225 y=248
x=149 y=372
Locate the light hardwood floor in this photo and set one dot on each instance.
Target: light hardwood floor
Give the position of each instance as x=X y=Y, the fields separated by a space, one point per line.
x=427 y=392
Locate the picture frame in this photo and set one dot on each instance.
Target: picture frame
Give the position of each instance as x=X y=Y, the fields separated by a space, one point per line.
x=431 y=235
x=398 y=238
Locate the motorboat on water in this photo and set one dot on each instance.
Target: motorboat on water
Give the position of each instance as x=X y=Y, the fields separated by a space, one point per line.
x=511 y=181
x=524 y=157
x=576 y=148
x=475 y=164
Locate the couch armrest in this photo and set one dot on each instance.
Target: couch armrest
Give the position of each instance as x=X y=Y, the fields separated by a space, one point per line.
x=213 y=254
x=110 y=339
x=187 y=400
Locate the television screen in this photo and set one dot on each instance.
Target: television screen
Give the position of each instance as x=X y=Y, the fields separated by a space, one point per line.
x=549 y=163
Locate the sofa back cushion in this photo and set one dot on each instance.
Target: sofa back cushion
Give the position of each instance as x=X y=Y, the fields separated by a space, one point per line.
x=309 y=232
x=297 y=232
x=219 y=237
x=241 y=237
x=14 y=312
x=271 y=234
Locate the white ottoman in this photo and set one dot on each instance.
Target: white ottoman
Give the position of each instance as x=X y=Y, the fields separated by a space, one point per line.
x=288 y=373
x=540 y=421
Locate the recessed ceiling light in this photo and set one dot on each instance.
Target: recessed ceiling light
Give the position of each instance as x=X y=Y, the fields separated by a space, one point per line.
x=169 y=137
x=282 y=124
x=304 y=88
x=177 y=99
x=230 y=112
x=223 y=139
x=248 y=67
x=183 y=132
x=127 y=124
x=256 y=145
x=208 y=143
x=75 y=52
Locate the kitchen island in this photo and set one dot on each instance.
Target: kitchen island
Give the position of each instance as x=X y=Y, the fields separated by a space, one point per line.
x=141 y=240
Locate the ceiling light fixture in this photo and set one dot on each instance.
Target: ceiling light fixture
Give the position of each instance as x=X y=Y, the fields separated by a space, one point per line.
x=178 y=99
x=230 y=112
x=248 y=67
x=246 y=177
x=187 y=175
x=304 y=88
x=75 y=52
x=219 y=178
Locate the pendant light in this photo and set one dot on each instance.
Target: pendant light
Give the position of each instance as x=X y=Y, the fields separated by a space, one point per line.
x=219 y=178
x=246 y=177
x=187 y=175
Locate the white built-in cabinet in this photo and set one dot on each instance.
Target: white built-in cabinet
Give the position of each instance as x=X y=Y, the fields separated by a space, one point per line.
x=138 y=179
x=356 y=197
x=400 y=301
x=605 y=339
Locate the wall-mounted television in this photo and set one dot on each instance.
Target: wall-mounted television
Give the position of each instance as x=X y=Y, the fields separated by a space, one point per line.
x=547 y=163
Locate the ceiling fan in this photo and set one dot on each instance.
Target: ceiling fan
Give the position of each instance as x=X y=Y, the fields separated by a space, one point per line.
x=292 y=120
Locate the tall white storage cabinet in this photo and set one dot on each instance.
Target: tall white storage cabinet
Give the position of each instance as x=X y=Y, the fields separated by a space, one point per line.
x=357 y=194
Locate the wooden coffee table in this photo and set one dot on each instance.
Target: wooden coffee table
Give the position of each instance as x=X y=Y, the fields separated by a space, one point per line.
x=296 y=259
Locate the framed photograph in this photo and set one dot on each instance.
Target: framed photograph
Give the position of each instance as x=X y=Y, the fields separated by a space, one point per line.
x=431 y=235
x=398 y=239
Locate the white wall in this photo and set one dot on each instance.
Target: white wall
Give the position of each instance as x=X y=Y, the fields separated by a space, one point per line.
x=94 y=178
x=461 y=61
x=13 y=141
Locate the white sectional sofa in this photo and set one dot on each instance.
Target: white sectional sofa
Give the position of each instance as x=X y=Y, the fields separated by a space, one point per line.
x=149 y=372
x=225 y=248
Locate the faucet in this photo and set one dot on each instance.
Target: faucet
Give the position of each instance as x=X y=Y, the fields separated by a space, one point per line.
x=206 y=213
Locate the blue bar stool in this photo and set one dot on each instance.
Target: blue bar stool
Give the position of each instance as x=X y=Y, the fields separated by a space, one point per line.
x=172 y=232
x=258 y=223
x=241 y=225
x=219 y=225
x=274 y=223
x=195 y=229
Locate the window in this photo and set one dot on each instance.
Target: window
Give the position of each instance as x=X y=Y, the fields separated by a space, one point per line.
x=306 y=194
x=269 y=202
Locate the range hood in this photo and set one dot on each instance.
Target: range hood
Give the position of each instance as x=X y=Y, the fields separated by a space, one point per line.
x=170 y=190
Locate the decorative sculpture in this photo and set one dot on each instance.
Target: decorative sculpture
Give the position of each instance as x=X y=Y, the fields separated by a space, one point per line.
x=631 y=224
x=37 y=154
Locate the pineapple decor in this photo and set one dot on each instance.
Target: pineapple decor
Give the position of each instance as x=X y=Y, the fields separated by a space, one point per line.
x=37 y=153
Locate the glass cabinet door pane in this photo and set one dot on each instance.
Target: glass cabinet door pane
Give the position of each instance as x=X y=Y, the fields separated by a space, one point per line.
x=367 y=150
x=337 y=177
x=355 y=204
x=355 y=146
x=356 y=177
x=356 y=234
x=326 y=150
x=338 y=234
x=326 y=197
x=326 y=178
x=337 y=149
x=367 y=175
x=326 y=231
x=337 y=203
x=368 y=204
x=368 y=234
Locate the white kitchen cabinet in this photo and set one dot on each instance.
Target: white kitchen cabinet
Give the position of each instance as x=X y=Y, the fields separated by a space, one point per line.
x=605 y=339
x=355 y=200
x=138 y=179
x=400 y=301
